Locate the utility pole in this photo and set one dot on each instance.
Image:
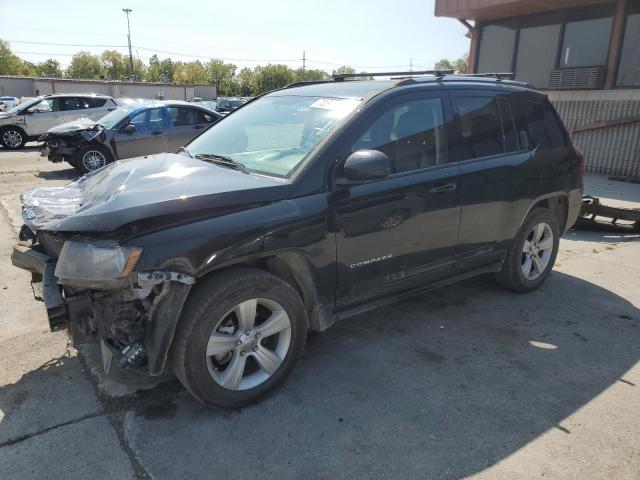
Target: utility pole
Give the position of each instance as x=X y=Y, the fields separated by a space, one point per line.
x=127 y=11
x=411 y=64
x=304 y=63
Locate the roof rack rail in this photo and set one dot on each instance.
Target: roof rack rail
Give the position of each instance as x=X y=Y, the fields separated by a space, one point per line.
x=496 y=75
x=301 y=83
x=340 y=77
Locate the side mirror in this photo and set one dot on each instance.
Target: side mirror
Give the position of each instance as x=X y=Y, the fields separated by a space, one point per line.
x=129 y=128
x=365 y=165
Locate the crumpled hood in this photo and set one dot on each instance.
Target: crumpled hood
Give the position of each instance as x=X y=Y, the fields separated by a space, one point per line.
x=158 y=188
x=74 y=126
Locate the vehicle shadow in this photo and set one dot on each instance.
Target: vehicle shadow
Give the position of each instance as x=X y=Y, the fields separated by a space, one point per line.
x=66 y=174
x=442 y=385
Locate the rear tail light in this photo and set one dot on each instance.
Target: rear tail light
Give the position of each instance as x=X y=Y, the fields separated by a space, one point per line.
x=581 y=160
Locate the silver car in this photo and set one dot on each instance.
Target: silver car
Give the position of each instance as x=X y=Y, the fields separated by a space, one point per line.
x=29 y=120
x=130 y=131
x=7 y=103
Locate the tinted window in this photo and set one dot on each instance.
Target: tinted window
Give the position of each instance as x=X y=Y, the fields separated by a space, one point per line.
x=95 y=102
x=74 y=103
x=181 y=116
x=629 y=69
x=412 y=134
x=509 y=139
x=537 y=47
x=496 y=47
x=481 y=127
x=539 y=122
x=586 y=42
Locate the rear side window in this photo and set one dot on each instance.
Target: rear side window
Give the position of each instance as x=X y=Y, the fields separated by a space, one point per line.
x=96 y=102
x=540 y=123
x=480 y=126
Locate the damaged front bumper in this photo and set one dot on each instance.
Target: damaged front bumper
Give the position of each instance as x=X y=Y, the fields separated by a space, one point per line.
x=136 y=324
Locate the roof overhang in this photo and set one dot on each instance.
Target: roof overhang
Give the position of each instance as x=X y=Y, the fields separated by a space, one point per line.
x=482 y=10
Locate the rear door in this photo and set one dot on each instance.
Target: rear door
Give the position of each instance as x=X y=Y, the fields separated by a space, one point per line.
x=186 y=124
x=149 y=136
x=74 y=108
x=399 y=232
x=499 y=177
x=97 y=107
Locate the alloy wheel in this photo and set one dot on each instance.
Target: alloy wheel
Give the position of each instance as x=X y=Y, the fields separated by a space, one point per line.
x=12 y=138
x=93 y=160
x=537 y=251
x=248 y=344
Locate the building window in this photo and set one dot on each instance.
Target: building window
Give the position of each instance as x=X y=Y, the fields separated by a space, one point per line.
x=496 y=47
x=537 y=49
x=586 y=37
x=629 y=69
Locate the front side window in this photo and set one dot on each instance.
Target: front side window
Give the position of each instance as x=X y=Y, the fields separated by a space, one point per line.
x=411 y=134
x=273 y=135
x=47 y=105
x=480 y=127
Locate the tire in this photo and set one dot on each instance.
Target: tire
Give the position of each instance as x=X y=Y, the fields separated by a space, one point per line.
x=13 y=138
x=539 y=229
x=211 y=307
x=91 y=158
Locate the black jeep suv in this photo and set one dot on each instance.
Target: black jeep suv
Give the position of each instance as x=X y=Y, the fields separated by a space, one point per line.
x=305 y=206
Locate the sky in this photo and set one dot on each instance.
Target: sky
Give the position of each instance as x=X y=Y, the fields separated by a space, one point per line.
x=370 y=36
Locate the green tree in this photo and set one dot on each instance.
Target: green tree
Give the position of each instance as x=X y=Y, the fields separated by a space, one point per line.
x=272 y=77
x=460 y=65
x=10 y=64
x=84 y=65
x=311 y=74
x=190 y=73
x=153 y=70
x=243 y=83
x=28 y=69
x=49 y=68
x=167 y=68
x=220 y=75
x=344 y=69
x=114 y=65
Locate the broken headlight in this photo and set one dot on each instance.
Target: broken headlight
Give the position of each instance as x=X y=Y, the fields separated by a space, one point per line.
x=96 y=264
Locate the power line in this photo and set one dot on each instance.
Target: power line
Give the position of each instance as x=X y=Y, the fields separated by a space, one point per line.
x=68 y=44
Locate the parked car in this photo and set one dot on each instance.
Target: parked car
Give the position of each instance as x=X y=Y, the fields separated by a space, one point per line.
x=28 y=120
x=139 y=129
x=308 y=205
x=226 y=105
x=7 y=103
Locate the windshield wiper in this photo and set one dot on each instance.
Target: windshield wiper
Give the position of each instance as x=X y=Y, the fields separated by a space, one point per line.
x=222 y=160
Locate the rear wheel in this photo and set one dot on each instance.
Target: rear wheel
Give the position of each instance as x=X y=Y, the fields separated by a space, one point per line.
x=240 y=335
x=13 y=138
x=92 y=158
x=532 y=253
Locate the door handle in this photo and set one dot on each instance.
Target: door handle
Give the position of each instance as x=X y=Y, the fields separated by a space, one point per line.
x=156 y=132
x=446 y=187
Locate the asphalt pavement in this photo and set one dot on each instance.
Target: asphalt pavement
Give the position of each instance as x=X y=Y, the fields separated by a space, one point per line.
x=466 y=381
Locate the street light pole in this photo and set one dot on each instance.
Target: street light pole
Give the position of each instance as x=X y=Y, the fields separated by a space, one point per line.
x=127 y=11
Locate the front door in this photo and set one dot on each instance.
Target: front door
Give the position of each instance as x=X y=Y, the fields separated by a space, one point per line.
x=400 y=232
x=44 y=115
x=149 y=136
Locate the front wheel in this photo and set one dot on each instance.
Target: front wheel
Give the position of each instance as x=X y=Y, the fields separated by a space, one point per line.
x=13 y=138
x=239 y=336
x=532 y=253
x=92 y=158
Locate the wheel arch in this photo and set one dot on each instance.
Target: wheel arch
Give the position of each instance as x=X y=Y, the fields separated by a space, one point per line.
x=557 y=203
